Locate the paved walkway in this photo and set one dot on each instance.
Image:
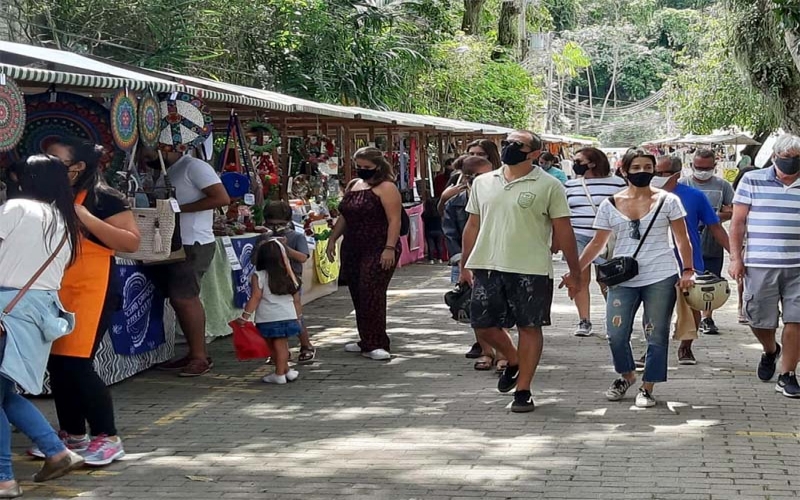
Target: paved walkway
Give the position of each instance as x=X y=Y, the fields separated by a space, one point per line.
x=427 y=426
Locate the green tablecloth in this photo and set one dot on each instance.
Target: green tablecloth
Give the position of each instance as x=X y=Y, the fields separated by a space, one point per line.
x=217 y=291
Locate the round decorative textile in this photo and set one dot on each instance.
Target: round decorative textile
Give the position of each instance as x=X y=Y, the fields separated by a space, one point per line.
x=12 y=115
x=149 y=121
x=53 y=115
x=185 y=121
x=124 y=119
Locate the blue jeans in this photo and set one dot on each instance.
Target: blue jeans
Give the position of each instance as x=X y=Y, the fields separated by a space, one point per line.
x=18 y=411
x=621 y=306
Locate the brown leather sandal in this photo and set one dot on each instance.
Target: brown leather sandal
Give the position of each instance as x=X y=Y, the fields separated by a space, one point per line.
x=484 y=363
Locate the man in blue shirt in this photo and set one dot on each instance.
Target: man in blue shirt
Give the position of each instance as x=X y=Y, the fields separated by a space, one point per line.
x=698 y=212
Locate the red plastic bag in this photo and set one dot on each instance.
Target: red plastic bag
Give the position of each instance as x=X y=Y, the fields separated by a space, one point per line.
x=248 y=342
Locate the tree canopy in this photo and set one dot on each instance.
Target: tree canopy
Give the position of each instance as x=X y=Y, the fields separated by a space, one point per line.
x=641 y=67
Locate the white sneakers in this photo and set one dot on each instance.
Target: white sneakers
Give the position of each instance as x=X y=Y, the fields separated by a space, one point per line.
x=352 y=347
x=377 y=354
x=274 y=378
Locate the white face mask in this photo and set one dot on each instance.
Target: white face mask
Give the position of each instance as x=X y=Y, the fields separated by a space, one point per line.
x=703 y=175
x=660 y=182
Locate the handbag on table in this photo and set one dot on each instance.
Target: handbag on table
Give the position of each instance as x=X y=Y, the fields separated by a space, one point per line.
x=621 y=269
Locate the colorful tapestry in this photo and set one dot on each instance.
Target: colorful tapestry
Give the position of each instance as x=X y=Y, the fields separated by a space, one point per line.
x=12 y=114
x=124 y=119
x=53 y=115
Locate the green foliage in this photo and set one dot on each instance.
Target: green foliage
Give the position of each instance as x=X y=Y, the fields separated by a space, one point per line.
x=641 y=70
x=678 y=30
x=570 y=59
x=465 y=83
x=710 y=92
x=565 y=13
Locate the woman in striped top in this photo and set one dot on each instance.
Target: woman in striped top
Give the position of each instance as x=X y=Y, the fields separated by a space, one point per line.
x=584 y=195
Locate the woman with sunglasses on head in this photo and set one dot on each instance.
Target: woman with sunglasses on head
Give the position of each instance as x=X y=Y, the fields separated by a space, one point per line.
x=108 y=225
x=584 y=195
x=641 y=218
x=370 y=222
x=39 y=234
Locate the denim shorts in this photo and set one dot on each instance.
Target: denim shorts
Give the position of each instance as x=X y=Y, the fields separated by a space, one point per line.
x=503 y=300
x=279 y=329
x=583 y=242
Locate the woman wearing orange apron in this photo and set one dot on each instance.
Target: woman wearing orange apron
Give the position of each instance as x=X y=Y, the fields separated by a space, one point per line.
x=108 y=226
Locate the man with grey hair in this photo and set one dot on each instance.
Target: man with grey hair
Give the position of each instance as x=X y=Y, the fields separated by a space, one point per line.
x=720 y=194
x=765 y=212
x=699 y=212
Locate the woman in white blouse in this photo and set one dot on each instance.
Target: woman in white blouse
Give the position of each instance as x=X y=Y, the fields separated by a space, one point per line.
x=627 y=215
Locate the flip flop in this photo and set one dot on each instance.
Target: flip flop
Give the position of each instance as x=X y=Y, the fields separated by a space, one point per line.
x=483 y=365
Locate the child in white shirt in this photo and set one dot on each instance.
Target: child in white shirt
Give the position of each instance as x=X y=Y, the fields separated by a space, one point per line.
x=271 y=306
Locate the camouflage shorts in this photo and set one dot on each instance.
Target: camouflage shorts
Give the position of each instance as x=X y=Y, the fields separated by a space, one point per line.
x=503 y=300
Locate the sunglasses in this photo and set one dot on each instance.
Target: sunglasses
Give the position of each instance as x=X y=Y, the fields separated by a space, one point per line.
x=633 y=227
x=518 y=144
x=664 y=174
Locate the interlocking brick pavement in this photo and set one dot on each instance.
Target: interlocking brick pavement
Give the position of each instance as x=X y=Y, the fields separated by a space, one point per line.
x=427 y=426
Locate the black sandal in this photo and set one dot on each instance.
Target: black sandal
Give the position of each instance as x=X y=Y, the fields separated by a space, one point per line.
x=307 y=354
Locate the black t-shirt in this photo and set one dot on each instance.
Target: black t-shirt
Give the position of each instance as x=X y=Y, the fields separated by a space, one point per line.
x=103 y=205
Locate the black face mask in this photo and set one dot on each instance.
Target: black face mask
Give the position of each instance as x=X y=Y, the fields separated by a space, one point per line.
x=579 y=168
x=154 y=164
x=641 y=179
x=366 y=174
x=513 y=154
x=789 y=166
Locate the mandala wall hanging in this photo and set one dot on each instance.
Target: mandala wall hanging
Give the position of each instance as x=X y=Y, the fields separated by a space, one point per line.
x=124 y=120
x=149 y=121
x=53 y=115
x=12 y=114
x=185 y=121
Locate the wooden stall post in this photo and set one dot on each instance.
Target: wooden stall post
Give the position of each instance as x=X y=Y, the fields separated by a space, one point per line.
x=347 y=148
x=284 y=163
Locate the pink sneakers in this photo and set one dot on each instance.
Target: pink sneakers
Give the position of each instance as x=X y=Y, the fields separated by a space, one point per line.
x=103 y=450
x=78 y=445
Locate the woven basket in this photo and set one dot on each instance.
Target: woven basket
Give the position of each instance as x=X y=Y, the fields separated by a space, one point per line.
x=156 y=226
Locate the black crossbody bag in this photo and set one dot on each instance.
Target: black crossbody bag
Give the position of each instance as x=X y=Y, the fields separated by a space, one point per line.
x=621 y=269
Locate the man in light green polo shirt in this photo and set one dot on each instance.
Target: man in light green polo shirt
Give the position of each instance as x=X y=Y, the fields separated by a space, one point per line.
x=515 y=213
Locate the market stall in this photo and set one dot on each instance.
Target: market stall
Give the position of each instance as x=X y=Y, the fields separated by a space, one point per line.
x=122 y=107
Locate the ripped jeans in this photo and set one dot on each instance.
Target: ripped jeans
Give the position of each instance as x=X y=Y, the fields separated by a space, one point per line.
x=621 y=307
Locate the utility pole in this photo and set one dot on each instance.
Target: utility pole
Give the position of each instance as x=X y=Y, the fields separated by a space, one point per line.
x=577 y=116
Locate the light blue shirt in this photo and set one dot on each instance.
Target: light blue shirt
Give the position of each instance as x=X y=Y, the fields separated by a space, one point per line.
x=33 y=325
x=773 y=225
x=557 y=173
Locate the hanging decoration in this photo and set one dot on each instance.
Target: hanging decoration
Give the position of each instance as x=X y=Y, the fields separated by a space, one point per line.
x=12 y=113
x=149 y=121
x=53 y=115
x=235 y=161
x=124 y=120
x=272 y=138
x=185 y=121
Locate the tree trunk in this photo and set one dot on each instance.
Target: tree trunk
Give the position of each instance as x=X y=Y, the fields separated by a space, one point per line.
x=508 y=27
x=471 y=22
x=792 y=39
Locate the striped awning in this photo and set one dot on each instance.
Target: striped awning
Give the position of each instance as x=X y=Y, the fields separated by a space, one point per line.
x=74 y=70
